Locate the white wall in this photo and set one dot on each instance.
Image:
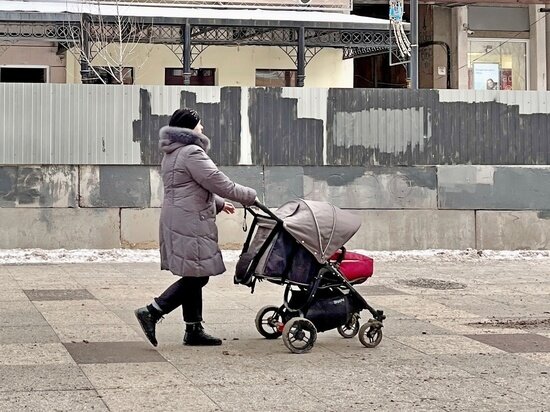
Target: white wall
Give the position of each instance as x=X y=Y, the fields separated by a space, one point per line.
x=235 y=66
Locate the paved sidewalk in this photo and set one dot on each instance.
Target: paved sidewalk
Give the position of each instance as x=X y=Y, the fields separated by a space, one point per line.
x=464 y=336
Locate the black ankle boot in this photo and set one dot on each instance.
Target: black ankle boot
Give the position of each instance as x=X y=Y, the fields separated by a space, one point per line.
x=196 y=336
x=148 y=318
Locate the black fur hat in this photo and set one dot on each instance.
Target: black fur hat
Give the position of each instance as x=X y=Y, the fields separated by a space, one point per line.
x=185 y=118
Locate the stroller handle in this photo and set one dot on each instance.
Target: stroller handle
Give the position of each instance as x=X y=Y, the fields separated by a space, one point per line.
x=264 y=209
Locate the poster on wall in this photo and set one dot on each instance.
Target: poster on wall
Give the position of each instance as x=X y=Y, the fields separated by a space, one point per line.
x=506 y=79
x=486 y=76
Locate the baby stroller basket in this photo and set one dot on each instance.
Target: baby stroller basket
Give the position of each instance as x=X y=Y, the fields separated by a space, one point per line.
x=274 y=255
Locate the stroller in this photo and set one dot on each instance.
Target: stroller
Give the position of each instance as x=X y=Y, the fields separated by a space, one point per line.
x=301 y=247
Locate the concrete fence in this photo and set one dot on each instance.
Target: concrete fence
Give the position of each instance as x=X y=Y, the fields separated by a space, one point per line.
x=422 y=207
x=79 y=163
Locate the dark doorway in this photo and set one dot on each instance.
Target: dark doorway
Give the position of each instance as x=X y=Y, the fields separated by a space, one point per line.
x=23 y=75
x=375 y=71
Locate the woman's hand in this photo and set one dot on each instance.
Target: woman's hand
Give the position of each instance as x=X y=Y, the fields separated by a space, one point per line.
x=228 y=208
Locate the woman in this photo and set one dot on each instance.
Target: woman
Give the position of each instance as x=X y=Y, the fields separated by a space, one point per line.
x=194 y=192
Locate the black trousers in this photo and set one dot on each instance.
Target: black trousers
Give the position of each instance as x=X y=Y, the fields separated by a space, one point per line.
x=187 y=293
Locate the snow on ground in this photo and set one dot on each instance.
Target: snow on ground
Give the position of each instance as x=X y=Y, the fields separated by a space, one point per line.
x=36 y=256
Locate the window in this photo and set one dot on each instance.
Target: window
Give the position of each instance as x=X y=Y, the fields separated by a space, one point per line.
x=199 y=77
x=496 y=66
x=110 y=75
x=275 y=78
x=22 y=74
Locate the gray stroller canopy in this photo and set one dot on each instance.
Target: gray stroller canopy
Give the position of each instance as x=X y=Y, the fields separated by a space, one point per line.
x=318 y=226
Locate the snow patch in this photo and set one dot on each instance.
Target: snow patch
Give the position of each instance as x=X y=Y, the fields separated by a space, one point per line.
x=36 y=256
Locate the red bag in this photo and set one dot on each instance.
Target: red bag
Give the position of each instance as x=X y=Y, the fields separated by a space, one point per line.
x=355 y=267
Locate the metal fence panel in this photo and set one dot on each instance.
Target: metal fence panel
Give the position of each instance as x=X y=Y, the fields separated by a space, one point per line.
x=97 y=124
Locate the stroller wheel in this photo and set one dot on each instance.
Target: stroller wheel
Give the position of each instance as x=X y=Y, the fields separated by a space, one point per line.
x=268 y=321
x=299 y=335
x=370 y=334
x=350 y=329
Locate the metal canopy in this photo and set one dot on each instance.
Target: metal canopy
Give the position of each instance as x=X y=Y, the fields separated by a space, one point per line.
x=300 y=34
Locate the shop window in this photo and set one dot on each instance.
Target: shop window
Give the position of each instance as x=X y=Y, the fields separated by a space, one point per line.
x=110 y=75
x=199 y=77
x=22 y=74
x=275 y=78
x=493 y=65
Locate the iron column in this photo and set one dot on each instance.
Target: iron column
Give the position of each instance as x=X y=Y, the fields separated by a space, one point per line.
x=301 y=57
x=187 y=54
x=414 y=44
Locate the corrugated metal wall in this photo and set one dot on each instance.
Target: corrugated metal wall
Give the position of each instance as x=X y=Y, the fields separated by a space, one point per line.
x=85 y=124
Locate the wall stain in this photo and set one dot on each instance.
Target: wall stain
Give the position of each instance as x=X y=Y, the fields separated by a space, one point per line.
x=221 y=121
x=146 y=130
x=222 y=124
x=335 y=176
x=483 y=133
x=279 y=137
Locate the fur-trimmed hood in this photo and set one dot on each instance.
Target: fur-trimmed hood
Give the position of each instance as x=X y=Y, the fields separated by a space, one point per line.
x=173 y=137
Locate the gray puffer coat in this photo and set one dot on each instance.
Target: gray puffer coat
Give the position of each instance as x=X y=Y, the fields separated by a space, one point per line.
x=194 y=189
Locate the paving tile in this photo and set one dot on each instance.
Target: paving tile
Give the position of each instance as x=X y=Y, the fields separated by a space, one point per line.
x=421 y=308
x=481 y=306
x=380 y=403
x=389 y=347
x=412 y=327
x=112 y=352
x=34 y=354
x=115 y=294
x=20 y=314
x=47 y=401
x=467 y=327
x=98 y=333
x=227 y=370
x=376 y=393
x=540 y=358
x=23 y=378
x=378 y=290
x=175 y=398
x=534 y=288
x=261 y=396
x=96 y=317
x=69 y=306
x=12 y=295
x=515 y=343
x=535 y=388
x=48 y=284
x=128 y=305
x=425 y=369
x=58 y=294
x=442 y=344
x=468 y=395
x=8 y=282
x=25 y=271
x=488 y=366
x=27 y=334
x=134 y=375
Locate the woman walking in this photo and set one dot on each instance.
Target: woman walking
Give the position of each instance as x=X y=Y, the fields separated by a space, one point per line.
x=194 y=192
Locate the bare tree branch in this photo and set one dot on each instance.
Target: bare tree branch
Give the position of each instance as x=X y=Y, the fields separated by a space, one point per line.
x=110 y=42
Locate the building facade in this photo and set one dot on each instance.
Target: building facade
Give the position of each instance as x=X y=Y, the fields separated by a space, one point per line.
x=231 y=43
x=498 y=46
